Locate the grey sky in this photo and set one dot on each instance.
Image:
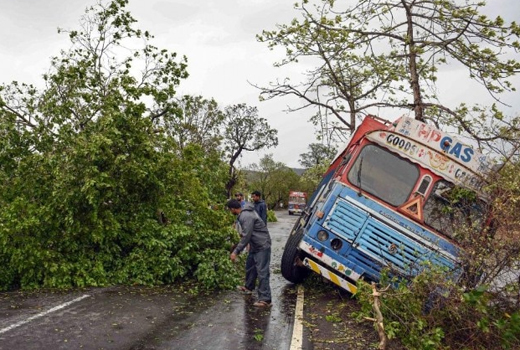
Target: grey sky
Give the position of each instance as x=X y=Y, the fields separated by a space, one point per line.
x=217 y=36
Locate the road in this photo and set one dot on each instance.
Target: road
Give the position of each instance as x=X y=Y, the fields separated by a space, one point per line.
x=139 y=318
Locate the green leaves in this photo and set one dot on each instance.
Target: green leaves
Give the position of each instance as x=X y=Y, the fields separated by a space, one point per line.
x=95 y=188
x=431 y=312
x=318 y=154
x=244 y=131
x=376 y=54
x=273 y=179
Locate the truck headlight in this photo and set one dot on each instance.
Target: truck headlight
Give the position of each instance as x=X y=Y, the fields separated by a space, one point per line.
x=336 y=244
x=323 y=235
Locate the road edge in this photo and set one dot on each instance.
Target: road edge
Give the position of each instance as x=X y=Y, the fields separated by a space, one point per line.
x=297 y=334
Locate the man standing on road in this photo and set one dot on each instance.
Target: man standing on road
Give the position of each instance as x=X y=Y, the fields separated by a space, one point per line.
x=255 y=234
x=251 y=274
x=260 y=206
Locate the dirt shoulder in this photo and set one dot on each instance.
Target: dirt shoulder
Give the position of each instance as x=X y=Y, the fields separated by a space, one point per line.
x=329 y=323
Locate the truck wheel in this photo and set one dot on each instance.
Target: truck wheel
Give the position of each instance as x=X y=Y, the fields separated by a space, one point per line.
x=291 y=270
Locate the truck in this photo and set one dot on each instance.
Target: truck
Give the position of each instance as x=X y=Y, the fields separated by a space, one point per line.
x=383 y=204
x=297 y=202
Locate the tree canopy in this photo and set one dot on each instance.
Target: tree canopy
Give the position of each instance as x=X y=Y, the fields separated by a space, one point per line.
x=106 y=176
x=319 y=154
x=389 y=54
x=244 y=131
x=274 y=179
x=199 y=123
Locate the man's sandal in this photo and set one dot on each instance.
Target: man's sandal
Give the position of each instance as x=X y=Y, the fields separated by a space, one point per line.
x=262 y=303
x=244 y=290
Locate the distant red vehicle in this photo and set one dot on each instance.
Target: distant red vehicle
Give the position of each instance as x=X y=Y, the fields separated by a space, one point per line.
x=297 y=202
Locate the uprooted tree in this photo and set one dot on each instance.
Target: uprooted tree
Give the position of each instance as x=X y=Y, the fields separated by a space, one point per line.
x=94 y=189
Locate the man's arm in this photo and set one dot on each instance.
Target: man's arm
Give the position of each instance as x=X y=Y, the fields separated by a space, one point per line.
x=247 y=231
x=264 y=212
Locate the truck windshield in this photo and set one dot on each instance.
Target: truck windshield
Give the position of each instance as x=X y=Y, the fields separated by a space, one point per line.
x=384 y=175
x=448 y=208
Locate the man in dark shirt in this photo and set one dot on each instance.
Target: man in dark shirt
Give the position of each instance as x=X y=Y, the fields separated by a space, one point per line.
x=260 y=206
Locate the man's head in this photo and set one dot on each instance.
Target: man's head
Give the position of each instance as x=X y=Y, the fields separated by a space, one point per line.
x=239 y=196
x=256 y=195
x=234 y=206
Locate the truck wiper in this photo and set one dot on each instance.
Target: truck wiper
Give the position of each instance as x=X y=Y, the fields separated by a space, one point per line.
x=359 y=176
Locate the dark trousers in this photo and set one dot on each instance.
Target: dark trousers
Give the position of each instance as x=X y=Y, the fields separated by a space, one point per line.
x=251 y=274
x=261 y=261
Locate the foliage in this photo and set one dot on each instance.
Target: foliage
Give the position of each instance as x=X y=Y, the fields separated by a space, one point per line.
x=317 y=161
x=333 y=318
x=378 y=54
x=491 y=254
x=244 y=131
x=214 y=270
x=73 y=221
x=273 y=179
x=94 y=190
x=477 y=307
x=318 y=154
x=258 y=334
x=199 y=122
x=312 y=177
x=229 y=133
x=271 y=216
x=433 y=313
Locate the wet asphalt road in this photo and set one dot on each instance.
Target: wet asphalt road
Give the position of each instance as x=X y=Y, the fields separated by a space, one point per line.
x=138 y=318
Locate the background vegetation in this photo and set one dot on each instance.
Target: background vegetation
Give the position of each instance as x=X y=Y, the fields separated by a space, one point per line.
x=107 y=176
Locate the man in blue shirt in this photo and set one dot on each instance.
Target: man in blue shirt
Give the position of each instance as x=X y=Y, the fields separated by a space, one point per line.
x=240 y=197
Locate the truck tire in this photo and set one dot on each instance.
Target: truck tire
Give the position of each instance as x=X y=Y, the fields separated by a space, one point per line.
x=291 y=269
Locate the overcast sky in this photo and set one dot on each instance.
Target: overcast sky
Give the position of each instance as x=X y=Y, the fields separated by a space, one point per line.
x=218 y=38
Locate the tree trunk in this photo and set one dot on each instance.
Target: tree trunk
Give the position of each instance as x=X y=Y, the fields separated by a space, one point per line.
x=376 y=306
x=412 y=66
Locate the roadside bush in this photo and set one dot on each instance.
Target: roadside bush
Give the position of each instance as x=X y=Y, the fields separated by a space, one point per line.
x=481 y=310
x=271 y=216
x=431 y=313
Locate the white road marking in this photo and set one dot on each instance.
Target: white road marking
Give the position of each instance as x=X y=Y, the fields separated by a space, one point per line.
x=297 y=335
x=56 y=308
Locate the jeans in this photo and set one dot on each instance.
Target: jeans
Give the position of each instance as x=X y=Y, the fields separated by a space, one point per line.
x=262 y=260
x=251 y=273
